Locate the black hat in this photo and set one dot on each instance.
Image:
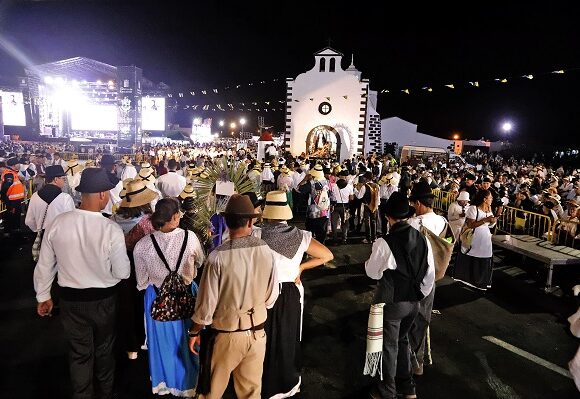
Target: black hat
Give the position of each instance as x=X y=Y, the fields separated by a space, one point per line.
x=107 y=160
x=398 y=207
x=486 y=180
x=254 y=198
x=94 y=180
x=469 y=176
x=421 y=190
x=12 y=161
x=54 y=171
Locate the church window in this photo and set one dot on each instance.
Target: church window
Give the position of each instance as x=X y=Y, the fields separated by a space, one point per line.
x=322 y=64
x=332 y=65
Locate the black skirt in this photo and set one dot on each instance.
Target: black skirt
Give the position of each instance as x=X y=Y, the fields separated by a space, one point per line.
x=475 y=272
x=283 y=360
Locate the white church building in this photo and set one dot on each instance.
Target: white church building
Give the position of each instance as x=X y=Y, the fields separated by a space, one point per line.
x=332 y=113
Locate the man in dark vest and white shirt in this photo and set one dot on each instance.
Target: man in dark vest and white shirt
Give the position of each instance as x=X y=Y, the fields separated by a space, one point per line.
x=403 y=263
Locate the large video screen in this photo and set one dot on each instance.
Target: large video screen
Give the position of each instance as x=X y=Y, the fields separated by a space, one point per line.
x=153 y=113
x=13 y=109
x=94 y=117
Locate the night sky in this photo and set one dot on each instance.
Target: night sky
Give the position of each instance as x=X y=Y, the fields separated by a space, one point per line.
x=206 y=45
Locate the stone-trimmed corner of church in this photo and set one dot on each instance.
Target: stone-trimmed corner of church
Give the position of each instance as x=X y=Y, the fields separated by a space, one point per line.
x=330 y=111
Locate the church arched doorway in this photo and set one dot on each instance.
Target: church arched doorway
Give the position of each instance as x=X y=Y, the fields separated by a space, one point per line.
x=323 y=142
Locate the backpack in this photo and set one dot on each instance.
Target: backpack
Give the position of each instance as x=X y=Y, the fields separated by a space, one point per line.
x=175 y=300
x=320 y=202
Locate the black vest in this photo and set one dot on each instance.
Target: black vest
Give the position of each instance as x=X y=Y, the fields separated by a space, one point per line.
x=409 y=247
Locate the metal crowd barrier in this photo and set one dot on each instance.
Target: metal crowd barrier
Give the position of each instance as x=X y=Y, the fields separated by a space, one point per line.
x=442 y=200
x=2 y=207
x=517 y=221
x=566 y=233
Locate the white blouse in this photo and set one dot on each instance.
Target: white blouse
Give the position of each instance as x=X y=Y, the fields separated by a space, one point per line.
x=481 y=243
x=149 y=267
x=288 y=269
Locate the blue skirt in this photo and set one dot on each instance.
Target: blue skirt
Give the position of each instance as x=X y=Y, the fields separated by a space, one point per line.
x=174 y=369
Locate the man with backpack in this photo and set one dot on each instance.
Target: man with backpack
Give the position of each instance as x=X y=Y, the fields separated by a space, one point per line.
x=370 y=196
x=315 y=187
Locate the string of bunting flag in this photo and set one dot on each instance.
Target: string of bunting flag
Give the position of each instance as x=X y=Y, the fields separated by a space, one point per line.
x=476 y=83
x=270 y=105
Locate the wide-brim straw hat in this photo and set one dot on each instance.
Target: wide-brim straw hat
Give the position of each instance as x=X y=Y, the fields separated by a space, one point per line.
x=317 y=172
x=147 y=175
x=73 y=167
x=284 y=170
x=90 y=163
x=276 y=207
x=187 y=192
x=136 y=193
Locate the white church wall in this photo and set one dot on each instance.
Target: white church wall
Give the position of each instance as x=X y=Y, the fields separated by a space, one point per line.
x=342 y=90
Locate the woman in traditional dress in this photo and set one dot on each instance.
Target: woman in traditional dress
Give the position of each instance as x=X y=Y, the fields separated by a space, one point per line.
x=474 y=264
x=133 y=216
x=174 y=369
x=282 y=362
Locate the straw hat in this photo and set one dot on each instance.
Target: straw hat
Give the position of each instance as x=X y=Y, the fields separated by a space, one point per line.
x=146 y=174
x=126 y=159
x=188 y=192
x=73 y=167
x=137 y=194
x=90 y=164
x=284 y=170
x=145 y=165
x=317 y=172
x=277 y=206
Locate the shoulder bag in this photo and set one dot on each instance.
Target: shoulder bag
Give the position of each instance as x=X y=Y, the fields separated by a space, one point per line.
x=442 y=248
x=38 y=240
x=466 y=236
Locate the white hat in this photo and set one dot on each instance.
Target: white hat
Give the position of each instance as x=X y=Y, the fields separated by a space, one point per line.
x=277 y=206
x=463 y=196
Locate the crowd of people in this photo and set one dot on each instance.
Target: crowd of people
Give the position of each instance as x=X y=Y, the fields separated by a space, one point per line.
x=114 y=231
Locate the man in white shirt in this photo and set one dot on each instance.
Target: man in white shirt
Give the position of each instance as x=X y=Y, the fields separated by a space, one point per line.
x=88 y=253
x=49 y=201
x=171 y=184
x=422 y=199
x=403 y=264
x=343 y=193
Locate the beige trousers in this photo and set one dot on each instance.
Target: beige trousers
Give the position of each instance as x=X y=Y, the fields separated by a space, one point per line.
x=242 y=355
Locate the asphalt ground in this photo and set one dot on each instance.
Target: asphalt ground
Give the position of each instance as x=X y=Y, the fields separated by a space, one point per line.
x=514 y=313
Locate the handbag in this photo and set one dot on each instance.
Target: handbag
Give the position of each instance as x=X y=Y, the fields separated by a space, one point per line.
x=442 y=248
x=38 y=240
x=466 y=236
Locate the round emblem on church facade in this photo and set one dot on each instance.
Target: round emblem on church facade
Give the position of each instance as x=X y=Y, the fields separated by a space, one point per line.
x=325 y=108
